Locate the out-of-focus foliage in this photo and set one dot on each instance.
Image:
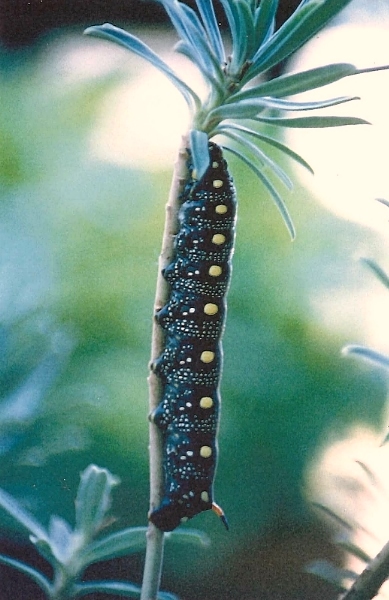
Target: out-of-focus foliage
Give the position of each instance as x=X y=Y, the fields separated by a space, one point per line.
x=70 y=550
x=77 y=268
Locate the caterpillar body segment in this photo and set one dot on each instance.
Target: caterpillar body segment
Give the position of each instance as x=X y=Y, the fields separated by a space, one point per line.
x=190 y=365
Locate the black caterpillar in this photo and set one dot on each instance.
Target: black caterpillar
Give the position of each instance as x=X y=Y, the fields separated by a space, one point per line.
x=191 y=363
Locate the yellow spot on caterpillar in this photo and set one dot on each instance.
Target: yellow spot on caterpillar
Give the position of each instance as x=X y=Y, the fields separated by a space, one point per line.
x=205 y=451
x=215 y=164
x=221 y=209
x=218 y=239
x=211 y=309
x=194 y=174
x=207 y=356
x=217 y=183
x=206 y=402
x=215 y=271
x=184 y=519
x=204 y=496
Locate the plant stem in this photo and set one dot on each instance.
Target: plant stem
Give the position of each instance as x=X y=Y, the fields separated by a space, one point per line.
x=367 y=585
x=155 y=538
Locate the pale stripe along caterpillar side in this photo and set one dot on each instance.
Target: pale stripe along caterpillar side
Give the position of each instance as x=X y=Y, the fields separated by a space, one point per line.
x=191 y=363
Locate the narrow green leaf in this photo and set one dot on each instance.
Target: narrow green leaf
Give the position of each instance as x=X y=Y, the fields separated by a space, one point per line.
x=246 y=109
x=280 y=43
x=166 y=596
x=126 y=541
x=123 y=38
x=93 y=499
x=312 y=122
x=183 y=22
x=61 y=538
x=250 y=109
x=268 y=140
x=247 y=33
x=333 y=516
x=297 y=83
x=308 y=19
x=374 y=480
x=200 y=44
x=122 y=588
x=36 y=576
x=24 y=518
x=329 y=573
x=345 y=543
x=211 y=25
x=193 y=34
x=380 y=273
x=259 y=154
x=367 y=354
x=383 y=201
x=45 y=549
x=233 y=22
x=200 y=151
x=271 y=189
x=265 y=20
x=186 y=50
x=279 y=104
x=189 y=536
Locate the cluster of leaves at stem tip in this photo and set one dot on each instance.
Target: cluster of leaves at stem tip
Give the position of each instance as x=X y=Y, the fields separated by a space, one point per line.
x=235 y=106
x=70 y=551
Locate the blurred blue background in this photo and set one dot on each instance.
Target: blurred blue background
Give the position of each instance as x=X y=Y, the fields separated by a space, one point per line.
x=80 y=231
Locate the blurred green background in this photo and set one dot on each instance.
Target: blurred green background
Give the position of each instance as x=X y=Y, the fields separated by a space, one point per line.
x=80 y=238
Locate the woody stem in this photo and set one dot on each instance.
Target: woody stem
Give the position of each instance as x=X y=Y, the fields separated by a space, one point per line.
x=155 y=537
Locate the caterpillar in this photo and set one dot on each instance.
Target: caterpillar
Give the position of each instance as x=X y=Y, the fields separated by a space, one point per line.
x=191 y=363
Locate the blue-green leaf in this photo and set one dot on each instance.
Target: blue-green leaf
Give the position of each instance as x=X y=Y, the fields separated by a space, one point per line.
x=24 y=518
x=213 y=81
x=268 y=140
x=246 y=109
x=122 y=588
x=206 y=59
x=126 y=541
x=210 y=23
x=328 y=512
x=259 y=154
x=249 y=109
x=367 y=354
x=93 y=499
x=45 y=549
x=312 y=122
x=246 y=35
x=36 y=576
x=271 y=189
x=380 y=273
x=345 y=543
x=308 y=19
x=265 y=20
x=183 y=22
x=61 y=538
x=233 y=22
x=123 y=38
x=383 y=201
x=297 y=83
x=187 y=535
x=280 y=104
x=325 y=570
x=200 y=151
